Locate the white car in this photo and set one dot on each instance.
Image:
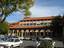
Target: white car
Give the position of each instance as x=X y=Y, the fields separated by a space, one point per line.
x=12 y=42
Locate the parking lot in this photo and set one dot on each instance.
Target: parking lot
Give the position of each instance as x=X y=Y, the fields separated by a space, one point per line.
x=34 y=44
x=7 y=41
x=58 y=44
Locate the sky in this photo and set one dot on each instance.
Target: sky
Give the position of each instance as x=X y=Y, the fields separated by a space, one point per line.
x=41 y=8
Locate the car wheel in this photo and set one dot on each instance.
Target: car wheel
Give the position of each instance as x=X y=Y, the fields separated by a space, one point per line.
x=11 y=46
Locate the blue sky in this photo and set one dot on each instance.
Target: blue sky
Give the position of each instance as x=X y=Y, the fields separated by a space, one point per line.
x=41 y=8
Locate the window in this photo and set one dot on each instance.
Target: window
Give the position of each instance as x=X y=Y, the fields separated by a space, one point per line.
x=17 y=40
x=10 y=40
x=27 y=24
x=30 y=23
x=21 y=24
x=34 y=23
x=41 y=23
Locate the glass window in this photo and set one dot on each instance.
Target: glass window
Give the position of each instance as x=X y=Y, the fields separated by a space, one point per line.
x=21 y=24
x=10 y=40
x=38 y=24
x=30 y=23
x=24 y=24
x=34 y=23
x=41 y=23
x=27 y=24
x=17 y=40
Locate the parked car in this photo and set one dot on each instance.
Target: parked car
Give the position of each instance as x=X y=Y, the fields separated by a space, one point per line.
x=11 y=42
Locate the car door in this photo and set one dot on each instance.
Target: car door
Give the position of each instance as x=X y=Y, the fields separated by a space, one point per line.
x=17 y=42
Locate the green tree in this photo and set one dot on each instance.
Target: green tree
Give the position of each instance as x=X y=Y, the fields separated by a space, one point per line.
x=63 y=28
x=4 y=28
x=57 y=27
x=9 y=6
x=46 y=44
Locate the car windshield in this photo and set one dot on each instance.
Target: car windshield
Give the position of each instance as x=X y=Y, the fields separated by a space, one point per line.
x=10 y=40
x=1 y=40
x=13 y=40
x=17 y=40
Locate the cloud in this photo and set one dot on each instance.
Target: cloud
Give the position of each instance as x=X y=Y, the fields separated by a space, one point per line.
x=46 y=11
x=41 y=8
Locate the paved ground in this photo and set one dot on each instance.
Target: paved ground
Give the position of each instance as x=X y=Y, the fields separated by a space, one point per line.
x=33 y=43
x=58 y=44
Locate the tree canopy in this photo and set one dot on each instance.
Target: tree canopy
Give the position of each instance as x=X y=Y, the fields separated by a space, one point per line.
x=4 y=28
x=9 y=6
x=57 y=26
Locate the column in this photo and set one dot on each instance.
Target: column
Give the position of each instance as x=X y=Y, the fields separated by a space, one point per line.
x=27 y=33
x=13 y=33
x=22 y=32
x=17 y=32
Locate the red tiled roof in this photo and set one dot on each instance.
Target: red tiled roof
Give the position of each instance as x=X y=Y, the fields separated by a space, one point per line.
x=30 y=27
x=38 y=18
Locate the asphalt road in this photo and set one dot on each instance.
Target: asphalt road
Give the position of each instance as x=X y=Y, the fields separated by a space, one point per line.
x=28 y=44
x=34 y=43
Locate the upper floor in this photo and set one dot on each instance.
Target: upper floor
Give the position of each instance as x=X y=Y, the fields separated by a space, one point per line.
x=32 y=22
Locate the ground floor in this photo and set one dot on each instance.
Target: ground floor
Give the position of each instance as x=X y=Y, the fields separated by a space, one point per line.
x=30 y=32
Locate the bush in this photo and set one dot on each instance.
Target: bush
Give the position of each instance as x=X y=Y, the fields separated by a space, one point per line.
x=46 y=44
x=4 y=28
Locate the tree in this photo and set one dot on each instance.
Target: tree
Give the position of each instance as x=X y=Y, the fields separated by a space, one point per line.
x=4 y=28
x=46 y=44
x=57 y=27
x=9 y=6
x=63 y=28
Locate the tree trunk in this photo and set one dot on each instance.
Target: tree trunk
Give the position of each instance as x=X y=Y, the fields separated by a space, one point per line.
x=3 y=19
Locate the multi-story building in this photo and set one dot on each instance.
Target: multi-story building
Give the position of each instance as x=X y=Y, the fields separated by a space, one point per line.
x=32 y=26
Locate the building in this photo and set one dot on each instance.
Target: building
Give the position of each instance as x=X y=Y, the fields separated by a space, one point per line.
x=31 y=27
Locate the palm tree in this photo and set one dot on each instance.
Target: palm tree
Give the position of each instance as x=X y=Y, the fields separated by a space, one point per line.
x=9 y=6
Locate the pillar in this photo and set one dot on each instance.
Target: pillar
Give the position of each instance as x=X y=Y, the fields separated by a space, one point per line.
x=13 y=33
x=22 y=33
x=17 y=32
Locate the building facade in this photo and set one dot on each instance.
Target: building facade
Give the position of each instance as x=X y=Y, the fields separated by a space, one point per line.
x=32 y=27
